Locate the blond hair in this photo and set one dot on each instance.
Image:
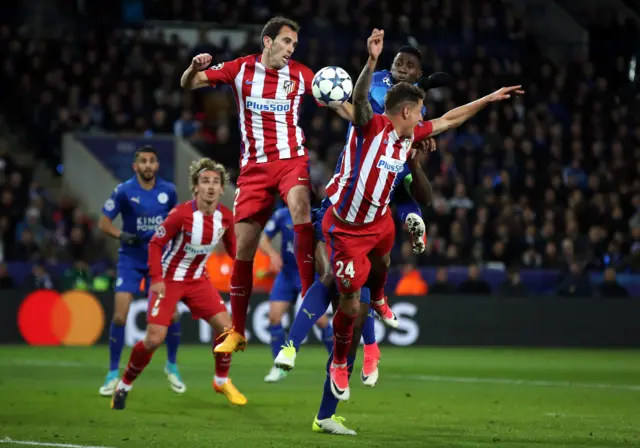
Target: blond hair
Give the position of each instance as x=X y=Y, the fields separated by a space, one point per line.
x=205 y=164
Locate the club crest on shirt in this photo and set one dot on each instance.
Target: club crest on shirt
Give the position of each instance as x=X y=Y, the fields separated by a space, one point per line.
x=289 y=86
x=346 y=282
x=161 y=232
x=163 y=198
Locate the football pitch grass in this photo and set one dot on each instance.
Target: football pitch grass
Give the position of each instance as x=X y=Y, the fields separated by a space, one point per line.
x=425 y=397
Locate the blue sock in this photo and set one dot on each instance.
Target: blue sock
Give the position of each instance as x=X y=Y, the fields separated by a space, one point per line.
x=405 y=207
x=277 y=339
x=329 y=403
x=116 y=343
x=313 y=307
x=173 y=341
x=369 y=329
x=327 y=337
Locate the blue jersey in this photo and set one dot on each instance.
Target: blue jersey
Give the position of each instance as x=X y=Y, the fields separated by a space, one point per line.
x=282 y=223
x=142 y=212
x=381 y=82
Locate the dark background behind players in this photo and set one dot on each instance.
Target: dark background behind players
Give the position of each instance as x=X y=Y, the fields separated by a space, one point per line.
x=549 y=180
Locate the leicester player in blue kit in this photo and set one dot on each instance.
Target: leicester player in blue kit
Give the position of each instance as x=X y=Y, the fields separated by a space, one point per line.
x=286 y=288
x=144 y=201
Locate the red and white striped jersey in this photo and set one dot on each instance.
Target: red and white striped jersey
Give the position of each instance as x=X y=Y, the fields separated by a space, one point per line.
x=182 y=244
x=373 y=157
x=268 y=106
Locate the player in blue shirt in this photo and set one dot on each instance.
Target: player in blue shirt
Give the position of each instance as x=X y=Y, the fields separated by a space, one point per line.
x=286 y=287
x=144 y=201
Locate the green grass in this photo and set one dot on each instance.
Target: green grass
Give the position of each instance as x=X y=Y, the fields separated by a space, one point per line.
x=427 y=397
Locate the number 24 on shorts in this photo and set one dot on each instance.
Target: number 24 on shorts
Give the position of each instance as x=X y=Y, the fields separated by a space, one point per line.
x=343 y=270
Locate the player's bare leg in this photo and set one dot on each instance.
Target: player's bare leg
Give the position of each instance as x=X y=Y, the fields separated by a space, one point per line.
x=247 y=239
x=221 y=382
x=122 y=302
x=299 y=203
x=286 y=358
x=343 y=328
x=380 y=269
x=277 y=309
x=171 y=369
x=141 y=355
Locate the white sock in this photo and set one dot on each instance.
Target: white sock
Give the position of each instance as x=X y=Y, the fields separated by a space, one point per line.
x=220 y=381
x=125 y=387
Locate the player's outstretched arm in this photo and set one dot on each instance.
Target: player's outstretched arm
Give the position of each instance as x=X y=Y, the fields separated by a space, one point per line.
x=417 y=184
x=362 y=110
x=455 y=117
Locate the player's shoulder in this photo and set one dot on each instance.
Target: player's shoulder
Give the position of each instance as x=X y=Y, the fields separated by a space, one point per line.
x=382 y=77
x=183 y=209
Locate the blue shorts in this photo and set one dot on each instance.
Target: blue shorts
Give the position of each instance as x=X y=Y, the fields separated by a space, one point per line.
x=286 y=287
x=130 y=275
x=317 y=215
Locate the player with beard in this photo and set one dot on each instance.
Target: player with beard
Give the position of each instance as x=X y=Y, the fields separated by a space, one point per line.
x=144 y=201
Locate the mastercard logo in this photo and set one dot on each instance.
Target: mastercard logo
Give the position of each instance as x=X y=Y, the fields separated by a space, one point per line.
x=49 y=318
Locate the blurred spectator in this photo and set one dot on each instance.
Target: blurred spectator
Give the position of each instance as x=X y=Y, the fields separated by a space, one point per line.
x=40 y=278
x=513 y=286
x=104 y=282
x=474 y=284
x=441 y=285
x=78 y=276
x=576 y=283
x=610 y=286
x=6 y=282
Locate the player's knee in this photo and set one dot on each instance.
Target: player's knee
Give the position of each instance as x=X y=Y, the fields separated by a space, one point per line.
x=300 y=210
x=154 y=338
x=119 y=319
x=275 y=317
x=327 y=278
x=176 y=317
x=350 y=303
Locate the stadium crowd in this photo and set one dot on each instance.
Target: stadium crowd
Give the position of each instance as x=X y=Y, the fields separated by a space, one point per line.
x=549 y=180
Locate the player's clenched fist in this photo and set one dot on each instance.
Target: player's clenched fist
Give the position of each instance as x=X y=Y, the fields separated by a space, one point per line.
x=374 y=43
x=158 y=289
x=201 y=61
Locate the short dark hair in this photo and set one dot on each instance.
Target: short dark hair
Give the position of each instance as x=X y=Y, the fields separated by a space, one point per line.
x=410 y=50
x=400 y=94
x=144 y=149
x=274 y=25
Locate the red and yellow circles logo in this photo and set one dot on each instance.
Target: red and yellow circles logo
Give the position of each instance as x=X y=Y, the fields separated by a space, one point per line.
x=50 y=318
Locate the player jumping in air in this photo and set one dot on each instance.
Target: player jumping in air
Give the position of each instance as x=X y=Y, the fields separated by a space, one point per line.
x=269 y=88
x=178 y=254
x=405 y=67
x=354 y=226
x=144 y=202
x=286 y=287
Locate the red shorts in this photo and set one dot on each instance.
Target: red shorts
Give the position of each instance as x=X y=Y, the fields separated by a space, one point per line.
x=350 y=245
x=203 y=301
x=258 y=184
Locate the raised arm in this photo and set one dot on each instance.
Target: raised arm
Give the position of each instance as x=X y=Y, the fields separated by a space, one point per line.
x=455 y=117
x=362 y=110
x=197 y=75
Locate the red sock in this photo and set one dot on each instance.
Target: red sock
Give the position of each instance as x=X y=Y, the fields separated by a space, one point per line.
x=138 y=360
x=303 y=245
x=241 y=286
x=223 y=360
x=376 y=286
x=342 y=333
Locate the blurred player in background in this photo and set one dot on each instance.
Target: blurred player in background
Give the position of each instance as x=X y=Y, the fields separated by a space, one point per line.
x=144 y=202
x=269 y=89
x=178 y=254
x=286 y=287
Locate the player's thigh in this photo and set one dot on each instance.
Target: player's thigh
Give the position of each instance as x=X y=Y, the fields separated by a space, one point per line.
x=205 y=303
x=160 y=310
x=255 y=194
x=386 y=234
x=294 y=186
x=347 y=253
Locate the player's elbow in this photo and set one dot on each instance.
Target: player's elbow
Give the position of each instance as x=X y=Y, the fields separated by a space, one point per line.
x=104 y=224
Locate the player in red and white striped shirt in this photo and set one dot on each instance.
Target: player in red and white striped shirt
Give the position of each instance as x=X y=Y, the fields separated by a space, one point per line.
x=268 y=88
x=178 y=254
x=358 y=230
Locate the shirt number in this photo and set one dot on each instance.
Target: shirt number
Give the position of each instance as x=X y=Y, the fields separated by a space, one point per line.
x=348 y=269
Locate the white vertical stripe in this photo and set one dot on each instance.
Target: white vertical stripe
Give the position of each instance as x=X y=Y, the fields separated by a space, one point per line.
x=282 y=129
x=197 y=228
x=173 y=250
x=346 y=163
x=381 y=182
x=241 y=114
x=256 y=117
x=296 y=108
x=365 y=171
x=216 y=220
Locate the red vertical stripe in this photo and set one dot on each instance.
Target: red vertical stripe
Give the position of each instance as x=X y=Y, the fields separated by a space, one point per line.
x=207 y=237
x=247 y=80
x=180 y=254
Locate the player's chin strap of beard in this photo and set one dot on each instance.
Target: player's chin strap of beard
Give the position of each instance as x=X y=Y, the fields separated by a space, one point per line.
x=435 y=80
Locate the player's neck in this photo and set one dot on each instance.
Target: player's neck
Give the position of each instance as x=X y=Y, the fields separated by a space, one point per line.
x=146 y=184
x=397 y=126
x=206 y=208
x=265 y=60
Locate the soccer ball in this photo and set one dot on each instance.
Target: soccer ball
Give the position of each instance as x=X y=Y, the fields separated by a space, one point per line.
x=332 y=86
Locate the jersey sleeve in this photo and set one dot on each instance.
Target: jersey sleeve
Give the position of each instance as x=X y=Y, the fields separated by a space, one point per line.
x=223 y=73
x=422 y=131
x=113 y=206
x=380 y=84
x=376 y=123
x=164 y=233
